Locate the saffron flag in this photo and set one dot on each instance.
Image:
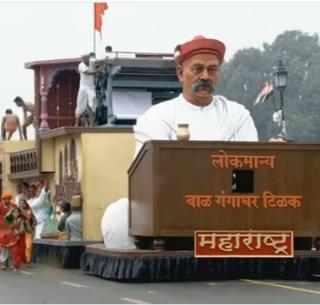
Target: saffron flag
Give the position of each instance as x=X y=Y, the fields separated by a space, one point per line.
x=99 y=9
x=265 y=93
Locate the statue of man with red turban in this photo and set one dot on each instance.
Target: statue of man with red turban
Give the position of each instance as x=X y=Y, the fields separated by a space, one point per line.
x=208 y=116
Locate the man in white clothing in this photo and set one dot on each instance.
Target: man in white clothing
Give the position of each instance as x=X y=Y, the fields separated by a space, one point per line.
x=22 y=191
x=74 y=221
x=86 y=99
x=41 y=207
x=209 y=117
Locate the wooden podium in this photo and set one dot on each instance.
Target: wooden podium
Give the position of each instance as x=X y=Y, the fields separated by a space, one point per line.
x=177 y=187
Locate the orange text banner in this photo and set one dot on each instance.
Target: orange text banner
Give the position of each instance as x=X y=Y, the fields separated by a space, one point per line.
x=222 y=200
x=243 y=244
x=241 y=161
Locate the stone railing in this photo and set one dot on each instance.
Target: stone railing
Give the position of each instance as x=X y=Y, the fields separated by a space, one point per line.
x=24 y=161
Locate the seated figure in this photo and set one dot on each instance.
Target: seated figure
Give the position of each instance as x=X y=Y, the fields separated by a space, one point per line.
x=210 y=117
x=73 y=224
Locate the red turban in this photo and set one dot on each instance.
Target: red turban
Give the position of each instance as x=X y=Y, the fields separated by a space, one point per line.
x=6 y=195
x=200 y=45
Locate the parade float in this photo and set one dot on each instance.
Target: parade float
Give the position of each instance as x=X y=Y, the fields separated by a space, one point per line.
x=198 y=209
x=218 y=210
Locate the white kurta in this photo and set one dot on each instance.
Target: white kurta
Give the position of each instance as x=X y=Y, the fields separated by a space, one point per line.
x=222 y=120
x=86 y=94
x=41 y=209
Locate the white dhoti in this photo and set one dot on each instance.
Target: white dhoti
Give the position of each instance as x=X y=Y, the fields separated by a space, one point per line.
x=86 y=98
x=38 y=230
x=114 y=226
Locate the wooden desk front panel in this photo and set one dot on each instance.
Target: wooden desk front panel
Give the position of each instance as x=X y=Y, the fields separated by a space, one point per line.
x=182 y=169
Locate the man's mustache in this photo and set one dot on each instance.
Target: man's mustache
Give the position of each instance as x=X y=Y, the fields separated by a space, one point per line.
x=203 y=84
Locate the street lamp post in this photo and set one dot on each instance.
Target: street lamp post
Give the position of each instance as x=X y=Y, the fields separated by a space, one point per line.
x=280 y=81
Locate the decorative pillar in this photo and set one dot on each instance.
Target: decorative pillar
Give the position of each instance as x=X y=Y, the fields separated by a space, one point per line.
x=44 y=106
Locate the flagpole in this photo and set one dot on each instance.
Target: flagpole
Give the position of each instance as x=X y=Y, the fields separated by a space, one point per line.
x=94 y=30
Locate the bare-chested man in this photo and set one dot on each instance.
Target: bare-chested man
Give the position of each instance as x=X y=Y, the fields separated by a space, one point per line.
x=27 y=107
x=10 y=123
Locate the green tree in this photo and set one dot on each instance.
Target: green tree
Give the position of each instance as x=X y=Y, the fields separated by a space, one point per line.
x=244 y=76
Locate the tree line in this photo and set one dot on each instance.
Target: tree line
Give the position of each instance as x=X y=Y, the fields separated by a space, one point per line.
x=243 y=77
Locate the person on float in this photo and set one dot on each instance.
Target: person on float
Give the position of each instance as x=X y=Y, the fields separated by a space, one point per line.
x=29 y=110
x=15 y=239
x=23 y=192
x=41 y=206
x=73 y=225
x=5 y=206
x=209 y=117
x=30 y=227
x=10 y=123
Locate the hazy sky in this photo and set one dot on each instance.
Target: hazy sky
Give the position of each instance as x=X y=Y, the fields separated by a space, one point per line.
x=31 y=31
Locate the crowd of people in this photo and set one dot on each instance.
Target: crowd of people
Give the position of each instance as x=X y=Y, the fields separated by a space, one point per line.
x=17 y=223
x=86 y=104
x=27 y=216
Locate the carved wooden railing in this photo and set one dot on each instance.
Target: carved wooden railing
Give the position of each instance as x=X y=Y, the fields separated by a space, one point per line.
x=24 y=162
